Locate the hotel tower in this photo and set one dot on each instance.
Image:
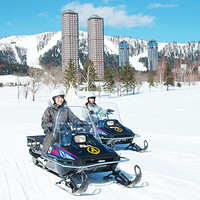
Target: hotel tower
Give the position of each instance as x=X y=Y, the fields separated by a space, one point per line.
x=96 y=43
x=70 y=38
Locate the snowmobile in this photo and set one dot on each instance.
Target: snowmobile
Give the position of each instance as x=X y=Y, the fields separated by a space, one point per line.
x=77 y=152
x=112 y=131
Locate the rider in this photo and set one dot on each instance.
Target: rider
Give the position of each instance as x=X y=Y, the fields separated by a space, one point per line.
x=57 y=102
x=93 y=108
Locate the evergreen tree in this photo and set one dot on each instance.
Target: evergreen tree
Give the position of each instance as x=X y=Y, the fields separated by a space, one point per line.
x=128 y=78
x=52 y=56
x=169 y=76
x=108 y=81
x=12 y=68
x=111 y=60
x=150 y=79
x=70 y=75
x=89 y=75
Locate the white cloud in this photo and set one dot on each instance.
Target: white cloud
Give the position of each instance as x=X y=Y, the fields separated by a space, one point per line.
x=9 y=23
x=113 y=16
x=158 y=5
x=43 y=14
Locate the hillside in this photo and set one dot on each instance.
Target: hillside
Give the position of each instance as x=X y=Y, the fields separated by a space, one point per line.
x=30 y=49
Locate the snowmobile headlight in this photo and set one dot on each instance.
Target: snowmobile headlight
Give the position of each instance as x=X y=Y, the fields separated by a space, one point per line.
x=80 y=138
x=110 y=123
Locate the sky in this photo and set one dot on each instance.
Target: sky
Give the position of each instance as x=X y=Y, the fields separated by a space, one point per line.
x=161 y=20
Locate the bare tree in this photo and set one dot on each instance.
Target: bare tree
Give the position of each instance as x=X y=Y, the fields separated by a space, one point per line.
x=177 y=71
x=89 y=75
x=19 y=88
x=139 y=78
x=53 y=78
x=18 y=83
x=190 y=69
x=160 y=72
x=26 y=89
x=36 y=80
x=196 y=76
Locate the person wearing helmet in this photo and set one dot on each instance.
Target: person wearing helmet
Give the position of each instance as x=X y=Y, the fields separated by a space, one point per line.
x=57 y=101
x=93 y=108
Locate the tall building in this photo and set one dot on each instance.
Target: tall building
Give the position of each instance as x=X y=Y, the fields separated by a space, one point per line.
x=152 y=46
x=123 y=53
x=70 y=38
x=96 y=43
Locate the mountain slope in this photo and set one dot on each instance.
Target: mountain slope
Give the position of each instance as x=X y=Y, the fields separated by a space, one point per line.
x=28 y=49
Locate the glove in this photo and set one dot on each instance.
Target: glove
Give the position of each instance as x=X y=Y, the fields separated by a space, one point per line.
x=110 y=111
x=84 y=122
x=86 y=126
x=91 y=112
x=81 y=124
x=49 y=125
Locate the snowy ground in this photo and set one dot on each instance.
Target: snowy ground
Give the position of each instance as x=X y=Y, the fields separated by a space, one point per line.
x=168 y=120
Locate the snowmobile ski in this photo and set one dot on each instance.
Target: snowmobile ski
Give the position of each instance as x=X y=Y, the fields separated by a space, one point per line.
x=69 y=183
x=123 y=180
x=135 y=147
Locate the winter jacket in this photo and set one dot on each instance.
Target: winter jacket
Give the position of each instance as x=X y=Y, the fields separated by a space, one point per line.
x=94 y=110
x=49 y=116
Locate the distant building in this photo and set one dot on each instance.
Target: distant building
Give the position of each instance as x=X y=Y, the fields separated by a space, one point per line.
x=152 y=46
x=123 y=53
x=70 y=38
x=96 y=43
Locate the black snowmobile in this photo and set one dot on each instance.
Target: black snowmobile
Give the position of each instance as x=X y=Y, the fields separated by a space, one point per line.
x=76 y=152
x=112 y=132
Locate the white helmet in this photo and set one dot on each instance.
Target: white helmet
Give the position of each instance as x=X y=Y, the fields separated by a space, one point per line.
x=56 y=93
x=90 y=95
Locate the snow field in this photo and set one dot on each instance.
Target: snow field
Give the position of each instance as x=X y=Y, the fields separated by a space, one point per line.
x=168 y=120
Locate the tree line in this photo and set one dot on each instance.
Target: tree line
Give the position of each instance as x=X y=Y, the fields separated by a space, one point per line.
x=120 y=80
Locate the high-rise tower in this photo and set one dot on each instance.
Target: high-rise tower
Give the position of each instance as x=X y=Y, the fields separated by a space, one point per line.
x=123 y=53
x=152 y=46
x=70 y=38
x=96 y=43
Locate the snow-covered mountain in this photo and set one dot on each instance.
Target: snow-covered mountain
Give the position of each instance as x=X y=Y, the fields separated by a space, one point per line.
x=29 y=49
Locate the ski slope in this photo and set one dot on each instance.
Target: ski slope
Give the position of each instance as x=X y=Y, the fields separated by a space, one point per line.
x=169 y=120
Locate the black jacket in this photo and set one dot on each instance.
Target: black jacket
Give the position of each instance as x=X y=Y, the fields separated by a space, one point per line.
x=50 y=114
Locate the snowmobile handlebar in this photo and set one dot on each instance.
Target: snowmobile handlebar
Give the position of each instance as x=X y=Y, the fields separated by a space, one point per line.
x=110 y=111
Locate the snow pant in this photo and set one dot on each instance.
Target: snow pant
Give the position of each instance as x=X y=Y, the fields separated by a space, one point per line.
x=47 y=142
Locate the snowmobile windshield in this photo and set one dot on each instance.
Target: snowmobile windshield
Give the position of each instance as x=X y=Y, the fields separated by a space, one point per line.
x=71 y=121
x=108 y=111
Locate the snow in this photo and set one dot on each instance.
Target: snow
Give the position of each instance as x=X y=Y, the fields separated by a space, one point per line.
x=71 y=95
x=135 y=62
x=13 y=79
x=169 y=120
x=30 y=44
